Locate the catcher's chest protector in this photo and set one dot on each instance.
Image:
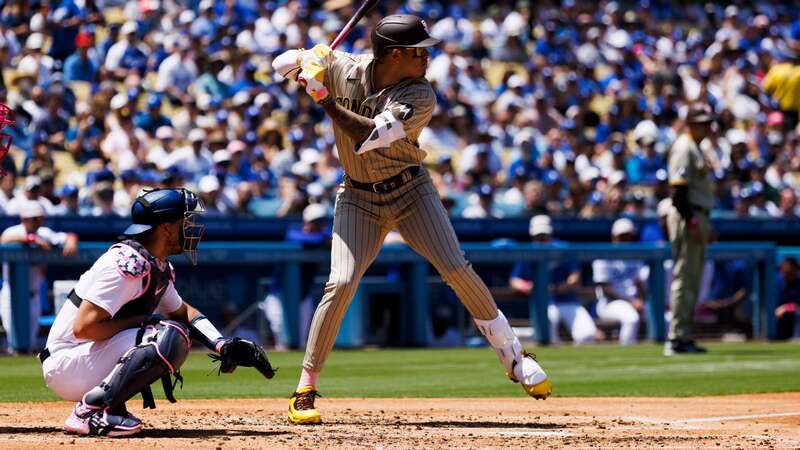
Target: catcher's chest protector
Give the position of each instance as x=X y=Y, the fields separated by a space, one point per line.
x=155 y=279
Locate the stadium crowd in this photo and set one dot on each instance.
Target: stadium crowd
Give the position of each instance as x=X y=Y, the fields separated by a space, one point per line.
x=561 y=108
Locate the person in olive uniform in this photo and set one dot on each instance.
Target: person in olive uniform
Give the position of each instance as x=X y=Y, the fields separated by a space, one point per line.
x=689 y=226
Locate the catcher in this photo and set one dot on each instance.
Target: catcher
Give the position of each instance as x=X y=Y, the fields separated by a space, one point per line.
x=107 y=345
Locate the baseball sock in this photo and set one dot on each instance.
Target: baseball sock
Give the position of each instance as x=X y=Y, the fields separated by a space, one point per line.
x=307 y=378
x=502 y=339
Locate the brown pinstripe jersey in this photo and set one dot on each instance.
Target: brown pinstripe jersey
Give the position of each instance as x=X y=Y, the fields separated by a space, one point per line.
x=349 y=79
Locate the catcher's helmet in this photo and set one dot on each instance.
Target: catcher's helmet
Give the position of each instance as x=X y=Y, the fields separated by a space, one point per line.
x=7 y=118
x=398 y=31
x=158 y=206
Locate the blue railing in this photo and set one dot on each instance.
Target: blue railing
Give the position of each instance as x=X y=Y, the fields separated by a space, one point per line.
x=476 y=230
x=760 y=256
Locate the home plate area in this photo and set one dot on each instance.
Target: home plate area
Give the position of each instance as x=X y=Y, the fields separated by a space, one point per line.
x=742 y=421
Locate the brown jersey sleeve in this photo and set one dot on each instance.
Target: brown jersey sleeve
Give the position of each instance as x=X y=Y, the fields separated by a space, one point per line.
x=336 y=67
x=413 y=105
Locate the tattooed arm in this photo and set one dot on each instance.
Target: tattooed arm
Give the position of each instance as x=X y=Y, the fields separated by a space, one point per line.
x=357 y=127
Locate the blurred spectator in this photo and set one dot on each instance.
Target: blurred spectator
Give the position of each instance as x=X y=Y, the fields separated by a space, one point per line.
x=152 y=119
x=788 y=208
x=127 y=55
x=7 y=184
x=79 y=66
x=214 y=200
x=160 y=154
x=68 y=204
x=657 y=231
x=195 y=158
x=103 y=200
x=208 y=82
x=481 y=207
x=729 y=295
x=621 y=286
x=52 y=122
x=124 y=144
x=565 y=279
x=788 y=287
x=30 y=232
x=178 y=71
x=535 y=199
x=40 y=157
x=642 y=167
x=83 y=139
x=31 y=191
x=438 y=137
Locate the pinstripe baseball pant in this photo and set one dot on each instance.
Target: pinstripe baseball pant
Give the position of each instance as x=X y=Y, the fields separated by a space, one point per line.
x=361 y=221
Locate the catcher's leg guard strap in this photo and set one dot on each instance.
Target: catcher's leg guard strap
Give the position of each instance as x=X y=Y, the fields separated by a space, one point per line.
x=142 y=365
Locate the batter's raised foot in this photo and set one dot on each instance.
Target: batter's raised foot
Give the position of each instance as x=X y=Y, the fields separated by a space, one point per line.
x=530 y=375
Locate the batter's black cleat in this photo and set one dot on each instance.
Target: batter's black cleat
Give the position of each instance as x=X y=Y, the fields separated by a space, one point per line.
x=676 y=346
x=88 y=420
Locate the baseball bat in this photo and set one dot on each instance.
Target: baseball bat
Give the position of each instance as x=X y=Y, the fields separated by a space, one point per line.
x=360 y=13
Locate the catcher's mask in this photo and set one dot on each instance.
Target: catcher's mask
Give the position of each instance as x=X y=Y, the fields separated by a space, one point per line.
x=7 y=118
x=158 y=206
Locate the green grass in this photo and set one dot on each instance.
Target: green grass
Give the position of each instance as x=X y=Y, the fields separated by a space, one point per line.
x=587 y=371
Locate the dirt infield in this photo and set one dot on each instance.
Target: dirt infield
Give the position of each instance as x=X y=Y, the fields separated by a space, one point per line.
x=747 y=421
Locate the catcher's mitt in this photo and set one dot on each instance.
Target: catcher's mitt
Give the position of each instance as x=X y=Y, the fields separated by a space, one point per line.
x=240 y=352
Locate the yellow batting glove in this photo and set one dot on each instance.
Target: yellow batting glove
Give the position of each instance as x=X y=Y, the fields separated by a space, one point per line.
x=312 y=78
x=318 y=54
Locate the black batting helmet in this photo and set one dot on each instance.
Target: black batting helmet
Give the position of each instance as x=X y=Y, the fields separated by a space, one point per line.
x=398 y=31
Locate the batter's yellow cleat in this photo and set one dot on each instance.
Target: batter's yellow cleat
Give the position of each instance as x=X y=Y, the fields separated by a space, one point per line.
x=301 y=407
x=535 y=382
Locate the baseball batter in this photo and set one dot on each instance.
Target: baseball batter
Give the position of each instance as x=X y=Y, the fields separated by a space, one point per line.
x=105 y=345
x=379 y=104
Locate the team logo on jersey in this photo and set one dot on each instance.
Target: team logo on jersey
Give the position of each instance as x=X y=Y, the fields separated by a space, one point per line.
x=404 y=111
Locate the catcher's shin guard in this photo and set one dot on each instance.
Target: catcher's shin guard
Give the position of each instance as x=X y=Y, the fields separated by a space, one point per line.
x=520 y=365
x=158 y=356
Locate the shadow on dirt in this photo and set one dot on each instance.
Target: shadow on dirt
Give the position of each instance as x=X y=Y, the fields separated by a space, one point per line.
x=30 y=430
x=154 y=433
x=210 y=433
x=468 y=424
x=488 y=424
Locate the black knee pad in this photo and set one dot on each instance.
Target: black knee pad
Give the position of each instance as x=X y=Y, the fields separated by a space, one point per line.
x=141 y=366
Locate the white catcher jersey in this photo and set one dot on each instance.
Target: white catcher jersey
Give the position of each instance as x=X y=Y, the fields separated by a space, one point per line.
x=349 y=80
x=107 y=286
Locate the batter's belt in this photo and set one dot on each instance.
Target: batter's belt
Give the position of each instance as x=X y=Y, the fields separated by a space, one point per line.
x=388 y=185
